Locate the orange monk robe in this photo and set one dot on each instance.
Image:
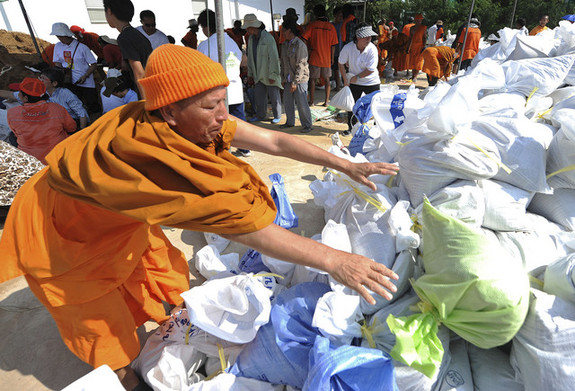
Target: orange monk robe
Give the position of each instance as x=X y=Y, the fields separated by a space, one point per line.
x=537 y=29
x=407 y=28
x=382 y=38
x=86 y=232
x=438 y=60
x=415 y=58
x=48 y=54
x=398 y=55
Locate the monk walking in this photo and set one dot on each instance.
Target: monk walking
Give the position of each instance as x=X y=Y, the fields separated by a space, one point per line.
x=417 y=40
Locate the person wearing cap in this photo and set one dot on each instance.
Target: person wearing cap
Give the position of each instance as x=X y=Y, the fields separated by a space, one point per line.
x=417 y=40
x=88 y=39
x=263 y=69
x=112 y=52
x=53 y=79
x=86 y=231
x=471 y=44
x=191 y=38
x=38 y=125
x=149 y=30
x=135 y=47
x=321 y=38
x=542 y=26
x=437 y=63
x=233 y=56
x=116 y=93
x=393 y=31
x=295 y=78
x=290 y=16
x=440 y=34
x=76 y=59
x=361 y=59
x=432 y=34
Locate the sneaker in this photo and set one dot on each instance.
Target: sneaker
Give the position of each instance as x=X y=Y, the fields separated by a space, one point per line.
x=244 y=152
x=346 y=132
x=276 y=120
x=286 y=126
x=306 y=130
x=255 y=119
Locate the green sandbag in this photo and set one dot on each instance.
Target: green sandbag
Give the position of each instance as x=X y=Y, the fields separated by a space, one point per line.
x=471 y=285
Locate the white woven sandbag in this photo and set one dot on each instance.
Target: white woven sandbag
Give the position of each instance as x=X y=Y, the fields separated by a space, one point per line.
x=461 y=199
x=535 y=248
x=231 y=308
x=505 y=206
x=545 y=74
x=560 y=94
x=558 y=207
x=537 y=106
x=491 y=370
x=565 y=33
x=522 y=147
x=562 y=149
x=430 y=161
x=543 y=352
x=217 y=241
x=390 y=110
x=560 y=278
x=527 y=46
x=176 y=364
x=493 y=103
x=229 y=382
x=337 y=316
x=401 y=224
x=458 y=374
x=101 y=378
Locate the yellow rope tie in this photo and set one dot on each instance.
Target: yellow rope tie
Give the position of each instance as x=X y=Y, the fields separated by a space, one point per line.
x=499 y=163
x=405 y=143
x=389 y=182
x=540 y=115
x=416 y=225
x=188 y=334
x=363 y=195
x=268 y=275
x=564 y=169
x=223 y=363
x=533 y=91
x=536 y=281
x=367 y=332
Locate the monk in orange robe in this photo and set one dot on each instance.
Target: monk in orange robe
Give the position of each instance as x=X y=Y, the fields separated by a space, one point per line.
x=437 y=63
x=398 y=52
x=417 y=39
x=85 y=231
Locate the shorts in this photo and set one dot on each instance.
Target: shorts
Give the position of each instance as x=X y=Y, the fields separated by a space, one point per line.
x=317 y=72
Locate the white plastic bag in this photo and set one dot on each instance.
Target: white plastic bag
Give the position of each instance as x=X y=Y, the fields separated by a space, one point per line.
x=209 y=262
x=337 y=316
x=217 y=241
x=229 y=382
x=343 y=100
x=101 y=378
x=231 y=308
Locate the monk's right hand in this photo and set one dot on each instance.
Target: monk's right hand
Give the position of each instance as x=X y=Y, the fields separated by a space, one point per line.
x=360 y=274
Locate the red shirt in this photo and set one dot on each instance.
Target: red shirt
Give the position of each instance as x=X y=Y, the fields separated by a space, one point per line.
x=112 y=55
x=190 y=40
x=91 y=40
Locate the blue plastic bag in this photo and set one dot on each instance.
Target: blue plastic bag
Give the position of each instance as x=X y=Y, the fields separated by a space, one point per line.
x=347 y=368
x=362 y=111
x=251 y=261
x=280 y=352
x=286 y=216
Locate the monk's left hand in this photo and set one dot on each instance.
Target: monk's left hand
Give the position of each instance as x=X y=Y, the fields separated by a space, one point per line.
x=360 y=172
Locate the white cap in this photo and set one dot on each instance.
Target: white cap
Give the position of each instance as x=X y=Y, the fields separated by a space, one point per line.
x=62 y=30
x=364 y=32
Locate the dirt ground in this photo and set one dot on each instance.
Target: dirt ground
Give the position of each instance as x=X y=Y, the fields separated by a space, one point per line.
x=32 y=355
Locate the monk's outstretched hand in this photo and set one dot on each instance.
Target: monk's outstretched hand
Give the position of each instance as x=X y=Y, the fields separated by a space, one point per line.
x=359 y=273
x=360 y=172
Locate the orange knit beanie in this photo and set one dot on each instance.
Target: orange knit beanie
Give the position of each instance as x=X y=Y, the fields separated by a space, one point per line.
x=174 y=73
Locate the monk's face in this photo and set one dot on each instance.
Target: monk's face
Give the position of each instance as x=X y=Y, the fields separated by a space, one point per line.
x=200 y=118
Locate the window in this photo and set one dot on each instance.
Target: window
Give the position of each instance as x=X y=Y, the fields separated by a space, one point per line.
x=96 y=11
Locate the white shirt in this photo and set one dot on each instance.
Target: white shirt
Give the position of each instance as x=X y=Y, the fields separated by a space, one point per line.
x=431 y=33
x=233 y=58
x=360 y=61
x=156 y=39
x=112 y=101
x=83 y=58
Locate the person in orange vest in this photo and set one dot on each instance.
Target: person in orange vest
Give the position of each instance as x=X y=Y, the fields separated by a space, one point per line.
x=471 y=44
x=542 y=26
x=417 y=39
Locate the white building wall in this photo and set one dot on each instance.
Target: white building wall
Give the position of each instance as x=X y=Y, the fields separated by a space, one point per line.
x=171 y=15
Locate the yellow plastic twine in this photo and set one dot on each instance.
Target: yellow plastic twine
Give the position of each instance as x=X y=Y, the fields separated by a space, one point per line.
x=367 y=331
x=533 y=91
x=360 y=193
x=535 y=281
x=541 y=115
x=268 y=275
x=405 y=143
x=187 y=341
x=223 y=363
x=416 y=226
x=564 y=169
x=499 y=163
